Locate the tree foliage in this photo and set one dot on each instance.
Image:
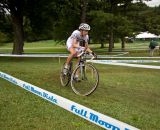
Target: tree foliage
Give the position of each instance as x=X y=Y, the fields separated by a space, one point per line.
x=33 y=20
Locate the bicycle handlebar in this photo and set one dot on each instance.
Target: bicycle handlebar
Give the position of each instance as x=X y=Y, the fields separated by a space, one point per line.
x=83 y=52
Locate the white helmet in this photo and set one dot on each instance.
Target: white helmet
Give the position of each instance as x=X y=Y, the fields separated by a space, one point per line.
x=84 y=26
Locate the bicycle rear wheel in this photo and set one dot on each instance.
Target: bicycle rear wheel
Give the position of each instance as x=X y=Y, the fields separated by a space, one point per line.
x=65 y=78
x=88 y=79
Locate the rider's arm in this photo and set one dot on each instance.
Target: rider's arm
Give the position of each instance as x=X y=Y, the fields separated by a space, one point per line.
x=87 y=48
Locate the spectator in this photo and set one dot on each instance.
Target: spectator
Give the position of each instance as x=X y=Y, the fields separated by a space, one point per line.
x=152 y=47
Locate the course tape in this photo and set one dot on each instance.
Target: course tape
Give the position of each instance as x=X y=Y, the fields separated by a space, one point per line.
x=124 y=53
x=126 y=64
x=35 y=55
x=77 y=109
x=126 y=61
x=126 y=57
x=66 y=55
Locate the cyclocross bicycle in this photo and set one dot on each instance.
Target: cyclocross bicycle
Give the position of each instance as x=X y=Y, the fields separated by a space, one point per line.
x=88 y=77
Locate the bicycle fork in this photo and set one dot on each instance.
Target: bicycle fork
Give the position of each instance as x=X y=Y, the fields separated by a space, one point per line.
x=82 y=71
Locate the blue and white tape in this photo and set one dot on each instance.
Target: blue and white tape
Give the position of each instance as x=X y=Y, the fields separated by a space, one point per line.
x=66 y=55
x=125 y=64
x=126 y=61
x=77 y=109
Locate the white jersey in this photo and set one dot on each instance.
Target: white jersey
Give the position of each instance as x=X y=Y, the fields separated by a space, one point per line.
x=76 y=35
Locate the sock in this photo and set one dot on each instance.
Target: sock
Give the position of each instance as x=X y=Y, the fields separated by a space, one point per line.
x=66 y=66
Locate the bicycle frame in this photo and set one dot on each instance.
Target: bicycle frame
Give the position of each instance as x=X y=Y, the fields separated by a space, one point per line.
x=81 y=63
x=82 y=66
x=84 y=72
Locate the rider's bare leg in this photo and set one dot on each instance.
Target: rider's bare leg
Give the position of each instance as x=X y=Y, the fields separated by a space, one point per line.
x=71 y=55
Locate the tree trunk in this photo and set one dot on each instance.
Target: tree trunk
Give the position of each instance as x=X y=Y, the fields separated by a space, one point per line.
x=16 y=11
x=102 y=44
x=123 y=43
x=17 y=22
x=83 y=10
x=111 y=41
x=111 y=28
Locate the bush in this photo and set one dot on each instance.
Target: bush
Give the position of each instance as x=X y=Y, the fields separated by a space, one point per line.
x=4 y=38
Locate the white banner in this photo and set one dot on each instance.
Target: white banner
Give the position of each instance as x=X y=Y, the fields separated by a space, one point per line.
x=77 y=109
x=66 y=55
x=125 y=64
x=125 y=61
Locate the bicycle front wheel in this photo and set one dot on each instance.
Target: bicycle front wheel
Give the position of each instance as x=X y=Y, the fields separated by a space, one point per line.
x=84 y=80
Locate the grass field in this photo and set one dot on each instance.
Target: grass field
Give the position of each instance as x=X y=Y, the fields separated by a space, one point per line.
x=131 y=95
x=138 y=48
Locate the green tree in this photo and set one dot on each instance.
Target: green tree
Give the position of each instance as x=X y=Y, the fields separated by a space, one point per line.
x=40 y=18
x=15 y=7
x=154 y=21
x=100 y=26
x=112 y=21
x=69 y=16
x=122 y=28
x=33 y=16
x=116 y=8
x=5 y=28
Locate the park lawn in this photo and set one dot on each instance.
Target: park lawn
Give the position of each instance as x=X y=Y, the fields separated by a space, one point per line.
x=128 y=94
x=48 y=46
x=45 y=43
x=51 y=47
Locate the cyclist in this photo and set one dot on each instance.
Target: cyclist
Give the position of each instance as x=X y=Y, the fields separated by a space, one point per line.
x=76 y=42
